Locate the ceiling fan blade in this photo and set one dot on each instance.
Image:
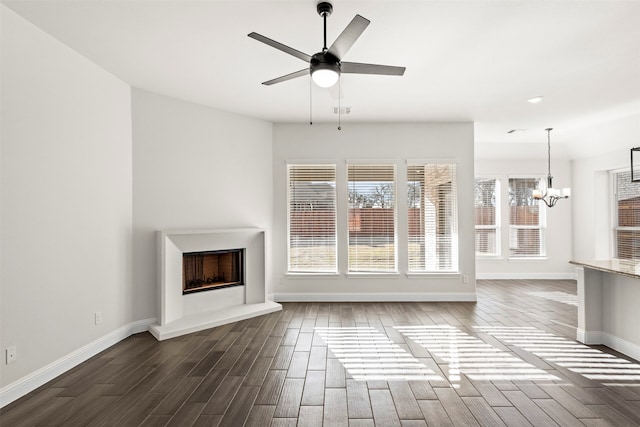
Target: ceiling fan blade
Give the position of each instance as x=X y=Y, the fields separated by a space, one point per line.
x=357 y=68
x=300 y=73
x=280 y=46
x=349 y=36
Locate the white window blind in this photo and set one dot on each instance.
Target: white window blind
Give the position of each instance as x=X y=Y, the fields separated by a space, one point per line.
x=372 y=217
x=627 y=206
x=487 y=209
x=311 y=198
x=432 y=217
x=526 y=219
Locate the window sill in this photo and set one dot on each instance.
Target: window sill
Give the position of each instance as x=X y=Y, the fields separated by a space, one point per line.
x=319 y=275
x=489 y=258
x=529 y=259
x=434 y=275
x=372 y=275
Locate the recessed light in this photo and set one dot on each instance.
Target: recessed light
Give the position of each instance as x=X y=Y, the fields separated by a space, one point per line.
x=535 y=99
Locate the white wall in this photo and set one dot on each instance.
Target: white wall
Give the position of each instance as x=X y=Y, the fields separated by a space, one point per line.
x=559 y=223
x=592 y=225
x=395 y=142
x=620 y=302
x=193 y=167
x=66 y=199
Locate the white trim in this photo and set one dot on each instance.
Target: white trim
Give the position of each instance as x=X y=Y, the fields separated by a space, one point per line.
x=526 y=176
x=211 y=319
x=373 y=297
x=433 y=275
x=497 y=226
x=371 y=162
x=372 y=275
x=589 y=337
x=311 y=162
x=613 y=212
x=30 y=382
x=289 y=166
x=526 y=276
x=623 y=346
x=612 y=220
x=487 y=257
x=310 y=275
x=525 y=259
x=541 y=226
x=440 y=160
x=603 y=338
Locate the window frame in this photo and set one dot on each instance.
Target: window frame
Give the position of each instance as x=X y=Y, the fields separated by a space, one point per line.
x=454 y=238
x=542 y=221
x=615 y=227
x=497 y=226
x=372 y=272
x=310 y=272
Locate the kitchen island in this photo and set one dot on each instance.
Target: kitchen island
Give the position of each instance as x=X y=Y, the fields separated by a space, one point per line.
x=609 y=304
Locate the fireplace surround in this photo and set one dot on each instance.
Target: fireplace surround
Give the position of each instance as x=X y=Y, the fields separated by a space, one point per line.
x=182 y=313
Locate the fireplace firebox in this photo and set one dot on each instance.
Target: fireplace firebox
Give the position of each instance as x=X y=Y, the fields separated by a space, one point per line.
x=205 y=271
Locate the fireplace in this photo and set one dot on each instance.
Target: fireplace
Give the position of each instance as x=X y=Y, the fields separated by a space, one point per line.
x=210 y=270
x=183 y=311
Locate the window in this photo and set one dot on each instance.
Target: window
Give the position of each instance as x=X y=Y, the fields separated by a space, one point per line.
x=432 y=217
x=311 y=199
x=487 y=213
x=526 y=219
x=372 y=217
x=627 y=207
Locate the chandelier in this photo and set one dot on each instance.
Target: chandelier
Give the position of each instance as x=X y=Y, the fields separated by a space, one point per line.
x=550 y=195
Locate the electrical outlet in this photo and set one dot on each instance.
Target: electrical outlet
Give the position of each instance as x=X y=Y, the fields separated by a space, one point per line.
x=12 y=354
x=465 y=278
x=98 y=317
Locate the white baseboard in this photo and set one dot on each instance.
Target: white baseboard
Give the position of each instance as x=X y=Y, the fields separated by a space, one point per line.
x=602 y=338
x=526 y=276
x=211 y=319
x=589 y=337
x=25 y=385
x=372 y=297
x=623 y=346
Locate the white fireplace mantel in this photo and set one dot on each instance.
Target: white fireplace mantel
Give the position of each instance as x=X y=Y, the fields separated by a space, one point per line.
x=182 y=314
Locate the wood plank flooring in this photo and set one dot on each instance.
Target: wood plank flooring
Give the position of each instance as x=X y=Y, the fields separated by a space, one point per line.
x=509 y=359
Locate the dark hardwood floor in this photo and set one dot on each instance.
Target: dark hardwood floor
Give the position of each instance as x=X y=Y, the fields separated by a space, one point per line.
x=509 y=359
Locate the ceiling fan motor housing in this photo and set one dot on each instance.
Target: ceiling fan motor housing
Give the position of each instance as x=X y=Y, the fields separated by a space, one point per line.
x=325 y=69
x=324 y=8
x=324 y=61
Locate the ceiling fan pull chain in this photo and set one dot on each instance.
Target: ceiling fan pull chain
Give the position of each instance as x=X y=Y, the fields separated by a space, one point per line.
x=310 y=102
x=339 y=105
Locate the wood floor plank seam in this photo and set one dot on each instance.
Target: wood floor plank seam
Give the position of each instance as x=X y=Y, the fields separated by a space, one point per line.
x=279 y=369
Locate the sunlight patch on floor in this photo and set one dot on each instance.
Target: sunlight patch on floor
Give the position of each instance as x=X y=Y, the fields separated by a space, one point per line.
x=557 y=296
x=470 y=356
x=579 y=358
x=368 y=354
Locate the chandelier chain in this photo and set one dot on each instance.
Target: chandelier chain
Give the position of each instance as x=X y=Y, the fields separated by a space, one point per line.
x=549 y=150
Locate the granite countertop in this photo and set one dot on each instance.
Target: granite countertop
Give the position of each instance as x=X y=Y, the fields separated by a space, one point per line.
x=625 y=267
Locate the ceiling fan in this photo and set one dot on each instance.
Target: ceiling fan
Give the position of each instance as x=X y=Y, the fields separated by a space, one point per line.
x=326 y=66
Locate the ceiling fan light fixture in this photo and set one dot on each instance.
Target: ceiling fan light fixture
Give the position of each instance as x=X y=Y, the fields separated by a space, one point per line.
x=325 y=74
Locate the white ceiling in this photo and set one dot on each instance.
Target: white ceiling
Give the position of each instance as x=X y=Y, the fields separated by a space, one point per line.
x=466 y=61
